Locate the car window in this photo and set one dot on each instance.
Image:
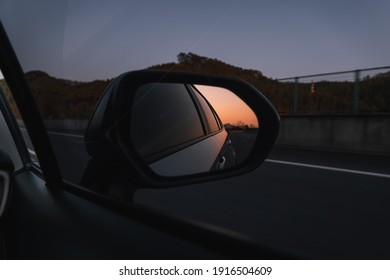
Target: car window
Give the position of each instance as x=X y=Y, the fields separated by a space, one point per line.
x=163 y=116
x=209 y=114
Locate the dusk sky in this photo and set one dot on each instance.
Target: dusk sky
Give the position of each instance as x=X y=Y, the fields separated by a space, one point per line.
x=86 y=40
x=229 y=107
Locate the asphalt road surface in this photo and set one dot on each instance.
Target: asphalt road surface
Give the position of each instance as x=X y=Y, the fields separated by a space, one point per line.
x=242 y=143
x=315 y=204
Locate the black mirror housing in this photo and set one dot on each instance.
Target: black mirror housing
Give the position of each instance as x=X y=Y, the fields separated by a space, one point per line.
x=108 y=137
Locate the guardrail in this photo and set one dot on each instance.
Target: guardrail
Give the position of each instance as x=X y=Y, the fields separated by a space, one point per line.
x=345 y=92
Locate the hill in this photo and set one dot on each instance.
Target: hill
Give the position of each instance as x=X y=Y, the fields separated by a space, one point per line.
x=59 y=98
x=189 y=62
x=327 y=98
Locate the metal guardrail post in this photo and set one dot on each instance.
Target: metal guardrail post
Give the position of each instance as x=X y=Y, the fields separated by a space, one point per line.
x=356 y=93
x=296 y=79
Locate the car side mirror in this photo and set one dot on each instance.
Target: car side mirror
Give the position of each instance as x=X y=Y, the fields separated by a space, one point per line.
x=171 y=129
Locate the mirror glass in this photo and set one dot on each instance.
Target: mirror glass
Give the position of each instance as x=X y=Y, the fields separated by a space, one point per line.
x=183 y=129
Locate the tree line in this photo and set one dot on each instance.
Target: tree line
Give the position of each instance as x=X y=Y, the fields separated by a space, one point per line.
x=59 y=98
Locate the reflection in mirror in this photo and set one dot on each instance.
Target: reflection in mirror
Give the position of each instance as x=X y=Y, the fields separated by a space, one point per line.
x=181 y=129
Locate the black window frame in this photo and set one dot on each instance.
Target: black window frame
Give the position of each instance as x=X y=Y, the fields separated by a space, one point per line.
x=192 y=89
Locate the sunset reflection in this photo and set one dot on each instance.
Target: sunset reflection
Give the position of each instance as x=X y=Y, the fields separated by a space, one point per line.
x=230 y=108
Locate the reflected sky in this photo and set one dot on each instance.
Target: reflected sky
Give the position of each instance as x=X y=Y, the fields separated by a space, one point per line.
x=230 y=108
x=87 y=40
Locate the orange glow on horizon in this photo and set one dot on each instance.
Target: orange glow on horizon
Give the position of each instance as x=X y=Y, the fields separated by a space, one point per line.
x=229 y=107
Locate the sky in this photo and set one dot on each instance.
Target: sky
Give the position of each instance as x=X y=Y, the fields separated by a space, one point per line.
x=100 y=39
x=229 y=107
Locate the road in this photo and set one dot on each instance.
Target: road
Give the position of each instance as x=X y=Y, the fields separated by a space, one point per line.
x=318 y=204
x=319 y=212
x=242 y=143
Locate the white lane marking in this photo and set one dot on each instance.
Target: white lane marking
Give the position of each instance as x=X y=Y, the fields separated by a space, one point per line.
x=331 y=168
x=32 y=152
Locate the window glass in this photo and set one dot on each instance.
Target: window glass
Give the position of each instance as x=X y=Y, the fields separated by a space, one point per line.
x=214 y=127
x=163 y=116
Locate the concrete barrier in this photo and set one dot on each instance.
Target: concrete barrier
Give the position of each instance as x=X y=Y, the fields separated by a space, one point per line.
x=360 y=133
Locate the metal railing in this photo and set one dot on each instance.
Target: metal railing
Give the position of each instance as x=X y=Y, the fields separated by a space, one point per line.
x=345 y=92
